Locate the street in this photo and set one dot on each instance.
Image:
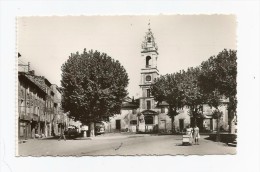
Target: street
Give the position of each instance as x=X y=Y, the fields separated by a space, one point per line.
x=120 y=144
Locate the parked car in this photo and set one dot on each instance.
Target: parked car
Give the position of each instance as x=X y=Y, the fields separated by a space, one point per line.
x=100 y=128
x=72 y=131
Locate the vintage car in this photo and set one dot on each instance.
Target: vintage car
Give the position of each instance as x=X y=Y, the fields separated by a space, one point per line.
x=72 y=131
x=100 y=128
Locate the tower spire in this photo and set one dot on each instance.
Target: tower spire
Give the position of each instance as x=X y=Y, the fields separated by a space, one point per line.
x=149 y=41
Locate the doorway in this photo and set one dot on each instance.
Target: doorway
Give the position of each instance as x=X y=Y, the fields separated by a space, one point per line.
x=181 y=124
x=118 y=124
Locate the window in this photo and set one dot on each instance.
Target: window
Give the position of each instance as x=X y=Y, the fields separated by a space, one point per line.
x=148 y=119
x=148 y=58
x=148 y=103
x=163 y=110
x=149 y=39
x=22 y=106
x=133 y=122
x=148 y=92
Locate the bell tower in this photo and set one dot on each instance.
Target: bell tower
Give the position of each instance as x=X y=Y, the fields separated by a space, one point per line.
x=149 y=71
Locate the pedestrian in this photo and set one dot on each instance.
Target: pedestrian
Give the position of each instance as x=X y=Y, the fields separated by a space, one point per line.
x=196 y=134
x=189 y=133
x=62 y=134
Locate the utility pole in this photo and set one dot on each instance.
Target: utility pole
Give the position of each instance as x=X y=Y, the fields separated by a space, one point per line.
x=28 y=66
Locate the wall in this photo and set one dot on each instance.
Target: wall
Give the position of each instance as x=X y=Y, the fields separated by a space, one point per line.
x=125 y=117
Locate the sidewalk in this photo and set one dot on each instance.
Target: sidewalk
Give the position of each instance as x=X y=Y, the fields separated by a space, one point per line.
x=32 y=139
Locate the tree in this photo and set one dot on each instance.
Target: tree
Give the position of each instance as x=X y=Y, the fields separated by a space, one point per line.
x=210 y=90
x=168 y=88
x=218 y=80
x=193 y=97
x=94 y=87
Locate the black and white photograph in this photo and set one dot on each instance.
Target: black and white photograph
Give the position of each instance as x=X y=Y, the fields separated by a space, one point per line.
x=126 y=85
x=129 y=86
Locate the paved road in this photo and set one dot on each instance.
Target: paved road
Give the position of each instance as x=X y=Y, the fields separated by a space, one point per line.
x=122 y=145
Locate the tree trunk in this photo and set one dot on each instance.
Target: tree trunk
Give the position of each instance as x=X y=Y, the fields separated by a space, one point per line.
x=92 y=129
x=231 y=117
x=218 y=134
x=195 y=121
x=173 y=127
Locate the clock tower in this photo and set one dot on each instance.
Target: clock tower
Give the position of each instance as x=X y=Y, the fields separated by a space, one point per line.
x=149 y=72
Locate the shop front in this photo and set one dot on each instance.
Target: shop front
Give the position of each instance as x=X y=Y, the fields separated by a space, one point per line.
x=24 y=127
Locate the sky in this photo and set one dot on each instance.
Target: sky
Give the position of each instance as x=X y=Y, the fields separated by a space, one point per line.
x=183 y=41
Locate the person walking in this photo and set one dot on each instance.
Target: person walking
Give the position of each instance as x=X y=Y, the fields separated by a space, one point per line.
x=196 y=134
x=62 y=134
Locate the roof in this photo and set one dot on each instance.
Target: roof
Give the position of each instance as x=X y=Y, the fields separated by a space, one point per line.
x=38 y=81
x=127 y=99
x=32 y=80
x=129 y=105
x=162 y=104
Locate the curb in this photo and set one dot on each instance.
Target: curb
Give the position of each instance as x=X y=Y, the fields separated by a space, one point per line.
x=108 y=137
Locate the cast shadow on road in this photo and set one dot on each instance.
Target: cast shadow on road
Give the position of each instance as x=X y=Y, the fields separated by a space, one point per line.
x=181 y=144
x=57 y=138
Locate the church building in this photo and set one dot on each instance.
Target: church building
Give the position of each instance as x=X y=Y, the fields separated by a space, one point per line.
x=145 y=114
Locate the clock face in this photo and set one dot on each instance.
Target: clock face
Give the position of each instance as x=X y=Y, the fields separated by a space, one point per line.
x=148 y=78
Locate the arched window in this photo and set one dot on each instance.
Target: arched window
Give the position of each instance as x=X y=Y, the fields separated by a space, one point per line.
x=149 y=39
x=148 y=92
x=148 y=58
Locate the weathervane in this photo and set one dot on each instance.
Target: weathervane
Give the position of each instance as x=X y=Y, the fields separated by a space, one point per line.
x=149 y=25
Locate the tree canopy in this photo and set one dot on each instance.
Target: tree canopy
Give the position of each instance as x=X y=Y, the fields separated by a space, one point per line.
x=217 y=80
x=218 y=77
x=193 y=97
x=168 y=88
x=94 y=86
x=208 y=83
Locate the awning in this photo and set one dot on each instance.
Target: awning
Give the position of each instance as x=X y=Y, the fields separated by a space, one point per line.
x=149 y=112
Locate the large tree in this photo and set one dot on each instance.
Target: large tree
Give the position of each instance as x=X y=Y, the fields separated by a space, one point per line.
x=168 y=88
x=94 y=86
x=193 y=97
x=218 y=80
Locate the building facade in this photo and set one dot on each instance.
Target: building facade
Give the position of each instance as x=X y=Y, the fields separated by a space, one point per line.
x=57 y=120
x=46 y=124
x=39 y=107
x=31 y=106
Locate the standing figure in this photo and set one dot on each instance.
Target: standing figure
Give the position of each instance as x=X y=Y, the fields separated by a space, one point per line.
x=189 y=133
x=196 y=134
x=62 y=134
